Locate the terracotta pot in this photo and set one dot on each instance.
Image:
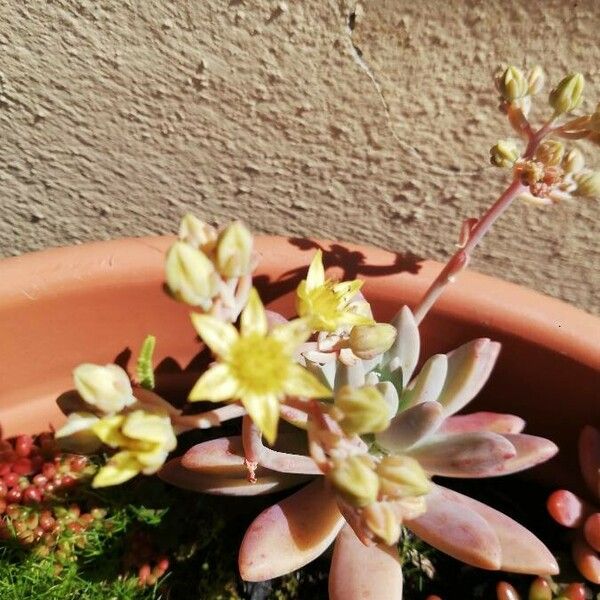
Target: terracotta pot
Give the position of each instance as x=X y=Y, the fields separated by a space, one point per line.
x=95 y=303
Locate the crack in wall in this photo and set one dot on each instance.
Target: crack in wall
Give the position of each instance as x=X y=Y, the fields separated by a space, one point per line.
x=349 y=25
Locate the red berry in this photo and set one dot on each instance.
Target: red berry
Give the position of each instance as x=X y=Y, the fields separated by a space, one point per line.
x=14 y=495
x=49 y=488
x=163 y=564
x=23 y=466
x=68 y=481
x=144 y=573
x=39 y=480
x=13 y=511
x=11 y=480
x=23 y=445
x=3 y=488
x=575 y=591
x=5 y=469
x=48 y=470
x=57 y=480
x=47 y=521
x=78 y=463
x=32 y=495
x=2 y=506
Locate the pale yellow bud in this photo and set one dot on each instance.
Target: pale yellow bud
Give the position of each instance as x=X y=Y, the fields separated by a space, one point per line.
x=512 y=84
x=106 y=387
x=574 y=161
x=190 y=275
x=401 y=476
x=382 y=520
x=550 y=152
x=588 y=184
x=197 y=233
x=367 y=341
x=355 y=479
x=567 y=95
x=234 y=250
x=364 y=410
x=535 y=80
x=504 y=154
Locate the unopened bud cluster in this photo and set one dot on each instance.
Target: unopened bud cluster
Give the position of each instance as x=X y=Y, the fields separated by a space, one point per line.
x=199 y=265
x=542 y=589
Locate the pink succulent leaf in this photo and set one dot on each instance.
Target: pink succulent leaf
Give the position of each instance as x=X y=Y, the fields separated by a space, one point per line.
x=531 y=450
x=589 y=458
x=359 y=572
x=390 y=395
x=175 y=474
x=483 y=421
x=294 y=416
x=469 y=367
x=522 y=552
x=404 y=353
x=475 y=454
x=458 y=531
x=325 y=372
x=411 y=426
x=591 y=531
x=567 y=509
x=291 y=533
x=428 y=384
x=225 y=456
x=586 y=559
x=352 y=375
x=274 y=318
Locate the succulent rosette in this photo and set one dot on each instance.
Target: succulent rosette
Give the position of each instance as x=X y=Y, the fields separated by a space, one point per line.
x=371 y=449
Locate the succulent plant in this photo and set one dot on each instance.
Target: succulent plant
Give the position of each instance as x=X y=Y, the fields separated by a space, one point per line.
x=577 y=513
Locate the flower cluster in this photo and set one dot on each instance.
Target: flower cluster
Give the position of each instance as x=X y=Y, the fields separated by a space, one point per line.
x=211 y=269
x=549 y=170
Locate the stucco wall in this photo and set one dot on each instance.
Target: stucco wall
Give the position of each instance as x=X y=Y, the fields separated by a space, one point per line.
x=117 y=116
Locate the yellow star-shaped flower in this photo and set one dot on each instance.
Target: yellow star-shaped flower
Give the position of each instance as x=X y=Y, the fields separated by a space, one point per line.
x=255 y=366
x=327 y=305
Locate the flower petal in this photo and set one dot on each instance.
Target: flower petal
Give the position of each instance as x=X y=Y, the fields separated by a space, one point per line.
x=173 y=473
x=359 y=571
x=463 y=454
x=216 y=334
x=411 y=426
x=108 y=430
x=300 y=382
x=316 y=272
x=458 y=531
x=521 y=551
x=215 y=385
x=254 y=318
x=291 y=533
x=292 y=334
x=264 y=412
x=469 y=367
x=121 y=467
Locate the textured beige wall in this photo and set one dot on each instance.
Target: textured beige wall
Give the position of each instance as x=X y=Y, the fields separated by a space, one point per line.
x=116 y=116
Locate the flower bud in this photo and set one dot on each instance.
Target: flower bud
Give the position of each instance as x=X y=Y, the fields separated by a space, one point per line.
x=573 y=161
x=588 y=184
x=106 y=387
x=355 y=479
x=367 y=341
x=504 y=154
x=401 y=476
x=567 y=95
x=197 y=233
x=234 y=250
x=550 y=152
x=512 y=84
x=540 y=590
x=535 y=80
x=190 y=275
x=381 y=519
x=364 y=410
x=505 y=591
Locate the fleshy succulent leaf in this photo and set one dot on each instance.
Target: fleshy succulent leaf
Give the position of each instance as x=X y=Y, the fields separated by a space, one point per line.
x=359 y=571
x=404 y=352
x=469 y=367
x=428 y=384
x=411 y=426
x=458 y=531
x=589 y=458
x=464 y=454
x=483 y=421
x=522 y=552
x=291 y=533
